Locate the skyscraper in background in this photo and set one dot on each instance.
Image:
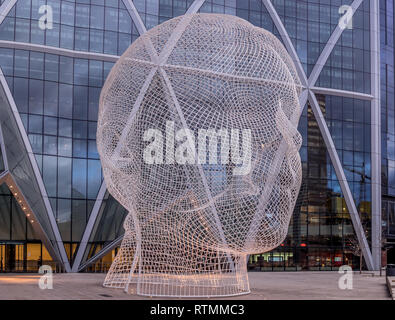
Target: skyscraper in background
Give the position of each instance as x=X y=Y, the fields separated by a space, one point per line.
x=55 y=56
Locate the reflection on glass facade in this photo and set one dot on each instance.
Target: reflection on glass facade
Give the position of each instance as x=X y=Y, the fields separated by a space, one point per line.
x=95 y=26
x=20 y=248
x=57 y=98
x=2 y=167
x=388 y=123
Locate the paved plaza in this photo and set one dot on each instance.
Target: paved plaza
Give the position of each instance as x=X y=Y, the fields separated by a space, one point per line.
x=264 y=286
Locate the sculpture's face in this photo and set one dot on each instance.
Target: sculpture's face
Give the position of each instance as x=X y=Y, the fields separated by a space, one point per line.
x=225 y=81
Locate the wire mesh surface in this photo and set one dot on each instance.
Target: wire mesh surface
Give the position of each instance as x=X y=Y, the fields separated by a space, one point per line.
x=197 y=135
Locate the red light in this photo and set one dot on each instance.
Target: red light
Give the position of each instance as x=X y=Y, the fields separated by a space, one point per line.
x=282 y=244
x=303 y=245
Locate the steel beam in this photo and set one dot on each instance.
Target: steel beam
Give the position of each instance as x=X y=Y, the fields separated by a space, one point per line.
x=58 y=51
x=342 y=93
x=375 y=133
x=113 y=244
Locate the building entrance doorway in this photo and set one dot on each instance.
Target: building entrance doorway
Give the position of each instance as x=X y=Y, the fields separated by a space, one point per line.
x=11 y=257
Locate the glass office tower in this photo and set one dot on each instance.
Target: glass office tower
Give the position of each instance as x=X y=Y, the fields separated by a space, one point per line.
x=55 y=56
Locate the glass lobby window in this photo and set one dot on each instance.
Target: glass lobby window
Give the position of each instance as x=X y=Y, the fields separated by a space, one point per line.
x=81 y=71
x=46 y=257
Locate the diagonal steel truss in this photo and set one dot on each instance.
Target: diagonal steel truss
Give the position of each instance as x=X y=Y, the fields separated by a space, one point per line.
x=372 y=257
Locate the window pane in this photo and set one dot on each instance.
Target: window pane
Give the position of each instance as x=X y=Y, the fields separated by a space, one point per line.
x=79 y=178
x=64 y=174
x=50 y=174
x=51 y=98
x=65 y=100
x=21 y=94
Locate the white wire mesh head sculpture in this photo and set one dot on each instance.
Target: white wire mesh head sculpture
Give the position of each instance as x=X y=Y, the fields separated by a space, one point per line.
x=197 y=135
